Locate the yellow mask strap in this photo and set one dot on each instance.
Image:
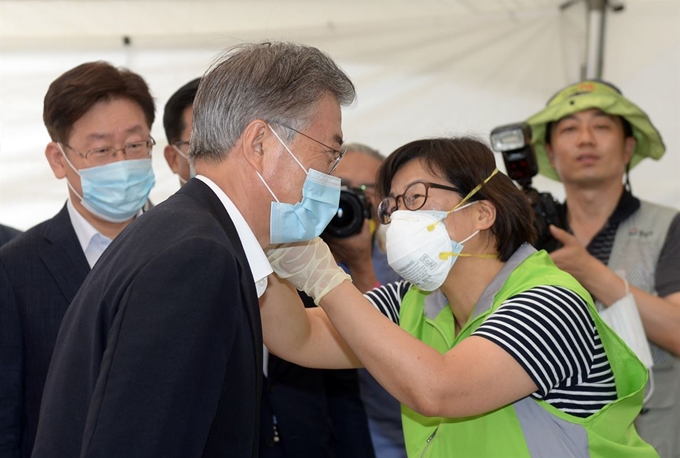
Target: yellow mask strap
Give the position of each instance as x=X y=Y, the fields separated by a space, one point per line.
x=449 y=254
x=431 y=227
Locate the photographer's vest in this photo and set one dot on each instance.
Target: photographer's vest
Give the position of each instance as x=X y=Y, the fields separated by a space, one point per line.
x=637 y=245
x=529 y=427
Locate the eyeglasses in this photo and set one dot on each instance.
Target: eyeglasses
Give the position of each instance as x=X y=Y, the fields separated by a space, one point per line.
x=180 y=143
x=414 y=197
x=135 y=150
x=337 y=154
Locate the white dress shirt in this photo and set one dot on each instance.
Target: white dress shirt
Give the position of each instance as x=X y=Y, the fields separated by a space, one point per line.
x=91 y=240
x=257 y=260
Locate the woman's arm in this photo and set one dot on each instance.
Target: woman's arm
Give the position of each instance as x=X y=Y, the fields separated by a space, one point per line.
x=301 y=335
x=475 y=377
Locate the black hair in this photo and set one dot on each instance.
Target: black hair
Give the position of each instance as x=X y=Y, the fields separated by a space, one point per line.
x=465 y=163
x=173 y=123
x=72 y=95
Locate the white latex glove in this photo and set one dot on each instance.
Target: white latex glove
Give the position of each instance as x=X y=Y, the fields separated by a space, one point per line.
x=309 y=266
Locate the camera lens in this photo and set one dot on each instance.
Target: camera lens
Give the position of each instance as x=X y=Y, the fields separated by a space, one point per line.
x=350 y=217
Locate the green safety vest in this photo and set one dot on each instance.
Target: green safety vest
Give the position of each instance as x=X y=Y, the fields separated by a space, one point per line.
x=528 y=427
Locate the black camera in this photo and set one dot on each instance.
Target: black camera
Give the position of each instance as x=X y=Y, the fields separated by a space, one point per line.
x=513 y=141
x=353 y=209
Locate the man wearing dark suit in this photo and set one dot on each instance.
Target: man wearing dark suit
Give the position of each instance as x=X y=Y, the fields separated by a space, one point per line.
x=304 y=411
x=99 y=118
x=160 y=353
x=7 y=233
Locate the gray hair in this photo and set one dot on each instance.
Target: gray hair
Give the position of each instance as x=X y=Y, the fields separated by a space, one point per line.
x=363 y=149
x=277 y=82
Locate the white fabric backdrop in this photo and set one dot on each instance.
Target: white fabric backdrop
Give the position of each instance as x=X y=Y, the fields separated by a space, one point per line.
x=436 y=68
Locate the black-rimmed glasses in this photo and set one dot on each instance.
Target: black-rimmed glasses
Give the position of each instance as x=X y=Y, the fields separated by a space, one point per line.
x=414 y=197
x=337 y=154
x=100 y=156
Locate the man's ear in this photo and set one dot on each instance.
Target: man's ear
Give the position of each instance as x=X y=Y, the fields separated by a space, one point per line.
x=550 y=154
x=171 y=158
x=485 y=214
x=253 y=143
x=628 y=147
x=56 y=160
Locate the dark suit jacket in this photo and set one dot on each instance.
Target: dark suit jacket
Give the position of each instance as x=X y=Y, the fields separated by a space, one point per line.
x=160 y=352
x=40 y=273
x=7 y=233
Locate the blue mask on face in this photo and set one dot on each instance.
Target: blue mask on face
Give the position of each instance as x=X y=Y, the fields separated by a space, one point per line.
x=308 y=218
x=115 y=192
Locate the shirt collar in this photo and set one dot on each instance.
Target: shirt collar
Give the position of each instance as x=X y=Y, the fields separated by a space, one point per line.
x=627 y=205
x=92 y=242
x=257 y=260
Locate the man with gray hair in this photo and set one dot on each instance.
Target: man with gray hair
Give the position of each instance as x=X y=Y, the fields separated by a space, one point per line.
x=160 y=353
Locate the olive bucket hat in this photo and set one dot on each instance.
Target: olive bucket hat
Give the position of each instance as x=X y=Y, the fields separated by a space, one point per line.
x=594 y=94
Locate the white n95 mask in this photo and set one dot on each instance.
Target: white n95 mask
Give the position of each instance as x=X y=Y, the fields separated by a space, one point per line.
x=418 y=245
x=419 y=248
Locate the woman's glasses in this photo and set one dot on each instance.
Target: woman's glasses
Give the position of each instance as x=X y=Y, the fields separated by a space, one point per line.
x=413 y=198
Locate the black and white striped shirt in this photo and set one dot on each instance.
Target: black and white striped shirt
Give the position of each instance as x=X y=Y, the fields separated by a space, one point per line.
x=550 y=333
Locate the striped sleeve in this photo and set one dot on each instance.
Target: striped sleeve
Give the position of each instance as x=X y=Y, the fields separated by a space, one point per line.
x=387 y=298
x=549 y=332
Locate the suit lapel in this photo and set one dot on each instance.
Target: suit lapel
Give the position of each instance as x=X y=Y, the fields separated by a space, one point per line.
x=63 y=255
x=198 y=190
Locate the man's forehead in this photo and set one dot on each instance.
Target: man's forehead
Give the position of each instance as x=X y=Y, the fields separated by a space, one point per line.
x=589 y=112
x=104 y=134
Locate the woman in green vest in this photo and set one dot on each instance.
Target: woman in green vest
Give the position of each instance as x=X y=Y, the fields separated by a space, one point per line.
x=498 y=353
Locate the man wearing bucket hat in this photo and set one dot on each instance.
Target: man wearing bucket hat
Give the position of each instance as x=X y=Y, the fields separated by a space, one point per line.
x=619 y=247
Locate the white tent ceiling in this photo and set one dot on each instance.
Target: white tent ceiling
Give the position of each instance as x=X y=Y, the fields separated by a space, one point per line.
x=422 y=68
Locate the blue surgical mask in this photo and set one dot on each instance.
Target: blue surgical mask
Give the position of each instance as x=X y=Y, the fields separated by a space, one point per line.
x=115 y=192
x=309 y=217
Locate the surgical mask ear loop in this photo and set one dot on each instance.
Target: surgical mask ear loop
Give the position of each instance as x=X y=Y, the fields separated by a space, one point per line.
x=267 y=186
x=289 y=152
x=68 y=183
x=260 y=176
x=287 y=149
x=66 y=157
x=179 y=151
